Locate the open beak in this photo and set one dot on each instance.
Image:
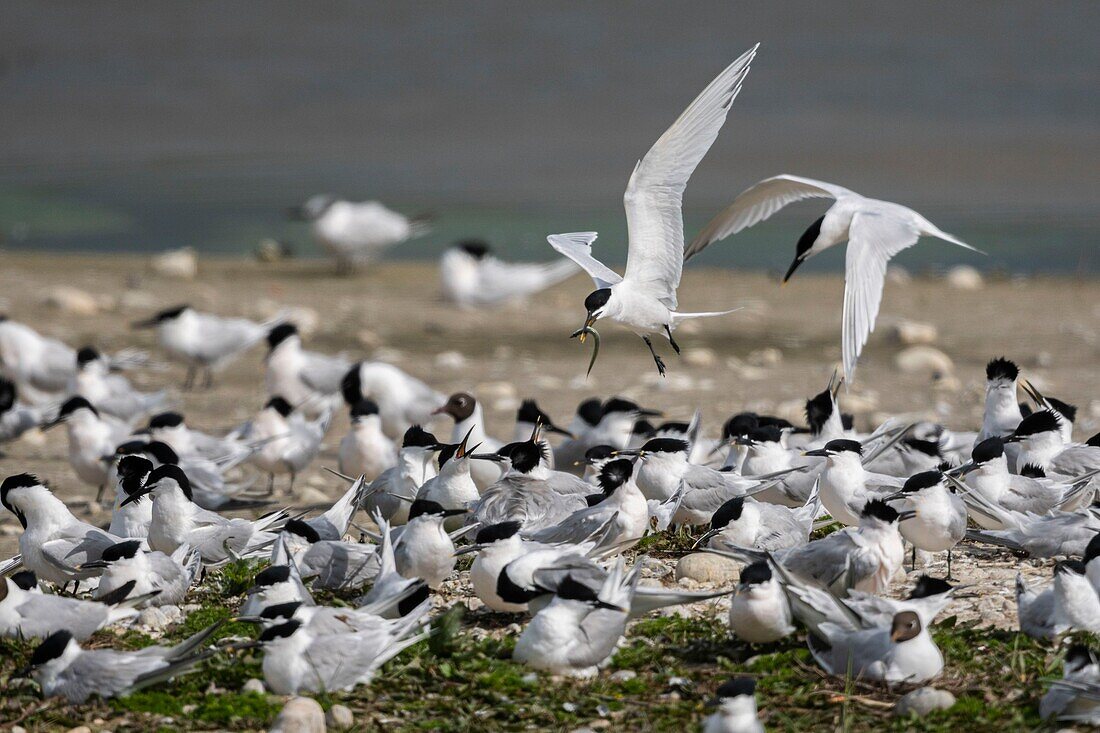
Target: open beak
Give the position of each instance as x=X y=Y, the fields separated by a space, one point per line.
x=1014 y=438
x=136 y=496
x=1033 y=393
x=902 y=516
x=582 y=333
x=494 y=457
x=93 y=565
x=467 y=549
x=462 y=449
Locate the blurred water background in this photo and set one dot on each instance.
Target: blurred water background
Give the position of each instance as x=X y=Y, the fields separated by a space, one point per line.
x=142 y=127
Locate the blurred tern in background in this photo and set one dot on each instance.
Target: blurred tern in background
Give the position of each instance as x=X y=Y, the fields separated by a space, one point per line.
x=470 y=275
x=356 y=232
x=308 y=379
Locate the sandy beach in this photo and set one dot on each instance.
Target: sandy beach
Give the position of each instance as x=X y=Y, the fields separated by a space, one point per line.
x=767 y=357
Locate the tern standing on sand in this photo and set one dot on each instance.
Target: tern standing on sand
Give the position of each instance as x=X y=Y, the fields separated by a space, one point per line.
x=644 y=298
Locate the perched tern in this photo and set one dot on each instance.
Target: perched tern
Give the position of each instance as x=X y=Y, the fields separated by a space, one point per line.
x=26 y=613
x=396 y=488
x=164 y=579
x=402 y=399
x=425 y=550
x=289 y=440
x=308 y=379
x=644 y=298
x=472 y=276
x=356 y=232
x=366 y=450
x=759 y=612
x=110 y=393
x=736 y=713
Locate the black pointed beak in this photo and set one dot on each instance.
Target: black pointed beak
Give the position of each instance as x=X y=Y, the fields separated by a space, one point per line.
x=798 y=260
x=51 y=424
x=495 y=458
x=902 y=516
x=135 y=497
x=820 y=452
x=455 y=512
x=147 y=323
x=93 y=565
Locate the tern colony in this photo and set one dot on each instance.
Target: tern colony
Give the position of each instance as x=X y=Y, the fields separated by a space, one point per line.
x=550 y=515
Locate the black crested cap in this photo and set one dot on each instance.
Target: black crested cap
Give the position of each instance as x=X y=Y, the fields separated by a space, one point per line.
x=446 y=452
x=131 y=448
x=169 y=313
x=499 y=531
x=1094 y=441
x=364 y=407
x=476 y=248
x=757 y=572
x=351 y=386
x=1064 y=409
x=575 y=591
x=85 y=355
x=1092 y=550
x=170 y=471
x=597 y=299
x=987 y=450
x=119 y=550
x=280 y=610
x=18 y=481
x=271 y=575
x=781 y=423
x=424 y=506
x=525 y=456
x=280 y=333
x=728 y=512
x=928 y=586
x=736 y=687
x=280 y=406
x=618 y=404
x=1070 y=566
x=740 y=424
x=165 y=420
x=1037 y=422
x=591 y=410
x=530 y=412
x=51 y=648
x=879 y=509
x=594 y=499
x=1080 y=656
x=75 y=403
x=1033 y=470
x=25 y=579
x=643 y=427
x=841 y=445
x=162 y=452
x=665 y=445
x=302 y=529
x=766 y=434
x=1025 y=409
x=1001 y=368
x=599 y=453
x=819 y=409
x=847 y=421
x=418 y=437
x=922 y=480
x=280 y=631
x=133 y=470
x=614 y=474
x=928 y=447
x=7 y=394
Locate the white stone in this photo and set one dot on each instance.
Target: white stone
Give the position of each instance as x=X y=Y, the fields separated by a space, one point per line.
x=923 y=701
x=450 y=360
x=703 y=567
x=766 y=357
x=859 y=404
x=181 y=264
x=339 y=717
x=910 y=333
x=623 y=675
x=300 y=715
x=73 y=301
x=153 y=618
x=924 y=360
x=254 y=685
x=700 y=357
x=964 y=277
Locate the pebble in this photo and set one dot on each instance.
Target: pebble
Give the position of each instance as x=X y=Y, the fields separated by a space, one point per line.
x=181 y=264
x=703 y=567
x=450 y=360
x=153 y=618
x=700 y=357
x=339 y=717
x=923 y=701
x=964 y=277
x=924 y=360
x=767 y=357
x=80 y=729
x=73 y=301
x=623 y=675
x=254 y=685
x=911 y=333
x=18 y=729
x=300 y=715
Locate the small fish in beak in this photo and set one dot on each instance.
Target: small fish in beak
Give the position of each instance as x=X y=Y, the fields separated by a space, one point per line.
x=580 y=335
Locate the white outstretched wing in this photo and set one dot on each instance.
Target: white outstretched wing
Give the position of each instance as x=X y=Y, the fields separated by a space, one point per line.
x=654 y=195
x=757 y=203
x=577 y=246
x=872 y=241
